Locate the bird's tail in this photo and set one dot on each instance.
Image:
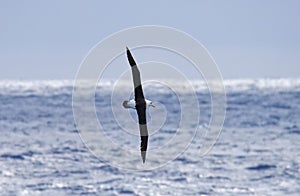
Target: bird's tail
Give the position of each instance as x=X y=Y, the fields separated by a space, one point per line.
x=125 y=104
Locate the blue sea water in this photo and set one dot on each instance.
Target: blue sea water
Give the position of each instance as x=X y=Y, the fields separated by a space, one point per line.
x=257 y=153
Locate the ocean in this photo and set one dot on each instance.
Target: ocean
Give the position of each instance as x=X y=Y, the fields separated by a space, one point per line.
x=256 y=153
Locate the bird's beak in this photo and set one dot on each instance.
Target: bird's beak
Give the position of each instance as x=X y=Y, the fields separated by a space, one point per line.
x=152 y=105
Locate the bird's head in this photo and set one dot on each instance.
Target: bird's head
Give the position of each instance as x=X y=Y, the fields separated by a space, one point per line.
x=149 y=103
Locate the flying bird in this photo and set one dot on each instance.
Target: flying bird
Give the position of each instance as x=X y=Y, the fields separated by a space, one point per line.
x=139 y=103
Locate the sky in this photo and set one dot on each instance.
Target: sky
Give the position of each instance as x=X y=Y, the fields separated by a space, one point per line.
x=247 y=39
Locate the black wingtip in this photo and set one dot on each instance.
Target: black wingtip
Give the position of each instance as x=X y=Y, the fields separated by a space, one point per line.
x=143 y=154
x=128 y=51
x=130 y=57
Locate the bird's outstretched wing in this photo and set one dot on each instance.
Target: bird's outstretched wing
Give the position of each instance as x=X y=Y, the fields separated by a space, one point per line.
x=138 y=89
x=141 y=111
x=140 y=104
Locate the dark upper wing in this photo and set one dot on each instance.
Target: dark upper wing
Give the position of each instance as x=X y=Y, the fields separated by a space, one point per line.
x=140 y=104
x=141 y=111
x=138 y=89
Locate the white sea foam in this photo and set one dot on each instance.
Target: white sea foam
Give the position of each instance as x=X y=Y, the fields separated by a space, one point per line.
x=45 y=87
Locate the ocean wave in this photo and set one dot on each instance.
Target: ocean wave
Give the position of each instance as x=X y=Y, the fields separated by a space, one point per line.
x=257 y=152
x=46 y=87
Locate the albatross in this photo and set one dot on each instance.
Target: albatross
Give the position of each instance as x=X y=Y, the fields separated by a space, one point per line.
x=139 y=103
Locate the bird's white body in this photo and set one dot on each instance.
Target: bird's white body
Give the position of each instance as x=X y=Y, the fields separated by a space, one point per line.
x=131 y=103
